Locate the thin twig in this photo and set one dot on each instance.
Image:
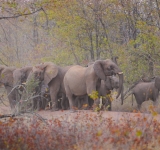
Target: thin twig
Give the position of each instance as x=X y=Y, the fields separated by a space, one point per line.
x=16 y=16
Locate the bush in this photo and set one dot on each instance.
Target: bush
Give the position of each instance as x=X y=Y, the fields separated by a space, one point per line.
x=29 y=95
x=80 y=131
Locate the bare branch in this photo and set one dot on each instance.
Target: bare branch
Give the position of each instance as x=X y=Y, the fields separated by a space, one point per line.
x=20 y=15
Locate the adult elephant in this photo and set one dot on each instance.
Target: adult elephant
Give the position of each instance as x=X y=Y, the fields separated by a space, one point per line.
x=144 y=91
x=20 y=76
x=52 y=75
x=80 y=80
x=6 y=78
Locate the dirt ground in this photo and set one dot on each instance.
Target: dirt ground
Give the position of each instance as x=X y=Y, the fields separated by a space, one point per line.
x=115 y=115
x=118 y=111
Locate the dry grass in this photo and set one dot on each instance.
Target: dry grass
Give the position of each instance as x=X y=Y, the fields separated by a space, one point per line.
x=127 y=105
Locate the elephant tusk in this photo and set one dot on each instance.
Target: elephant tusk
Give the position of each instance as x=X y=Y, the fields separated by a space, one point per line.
x=23 y=83
x=120 y=73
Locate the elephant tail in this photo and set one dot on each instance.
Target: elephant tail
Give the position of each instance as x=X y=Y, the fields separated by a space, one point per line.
x=132 y=99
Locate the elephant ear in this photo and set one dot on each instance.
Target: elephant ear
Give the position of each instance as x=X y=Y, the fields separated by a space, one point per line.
x=51 y=71
x=157 y=83
x=98 y=68
x=7 y=76
x=26 y=71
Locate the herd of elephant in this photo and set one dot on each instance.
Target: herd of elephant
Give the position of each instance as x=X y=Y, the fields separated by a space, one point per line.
x=72 y=87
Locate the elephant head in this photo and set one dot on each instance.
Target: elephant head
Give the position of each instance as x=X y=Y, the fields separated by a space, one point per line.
x=45 y=72
x=104 y=68
x=157 y=82
x=112 y=82
x=20 y=75
x=7 y=76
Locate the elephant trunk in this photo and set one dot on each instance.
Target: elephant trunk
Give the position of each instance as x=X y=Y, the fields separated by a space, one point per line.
x=120 y=90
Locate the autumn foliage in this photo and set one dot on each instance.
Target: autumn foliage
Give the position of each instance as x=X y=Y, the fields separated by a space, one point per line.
x=81 y=131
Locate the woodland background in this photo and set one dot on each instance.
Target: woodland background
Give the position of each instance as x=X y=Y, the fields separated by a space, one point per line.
x=79 y=31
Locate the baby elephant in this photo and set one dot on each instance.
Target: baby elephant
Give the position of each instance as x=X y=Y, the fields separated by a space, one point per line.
x=144 y=91
x=111 y=82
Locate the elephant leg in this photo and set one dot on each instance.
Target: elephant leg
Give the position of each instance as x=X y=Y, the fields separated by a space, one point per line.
x=36 y=103
x=139 y=106
x=12 y=103
x=85 y=103
x=63 y=102
x=48 y=102
x=66 y=103
x=54 y=102
x=11 y=98
x=80 y=103
x=139 y=100
x=77 y=102
x=34 y=106
x=109 y=105
x=44 y=101
x=70 y=98
x=90 y=102
x=54 y=96
x=59 y=103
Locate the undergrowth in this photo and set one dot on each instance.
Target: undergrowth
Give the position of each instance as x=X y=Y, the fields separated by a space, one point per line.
x=80 y=131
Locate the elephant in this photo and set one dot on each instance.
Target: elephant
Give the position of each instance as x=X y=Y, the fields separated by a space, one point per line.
x=40 y=94
x=2 y=67
x=45 y=98
x=52 y=76
x=112 y=82
x=6 y=78
x=144 y=91
x=80 y=80
x=20 y=76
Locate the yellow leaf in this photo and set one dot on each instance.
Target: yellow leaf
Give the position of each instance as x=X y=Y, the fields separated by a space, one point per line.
x=154 y=113
x=99 y=133
x=85 y=105
x=94 y=95
x=139 y=133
